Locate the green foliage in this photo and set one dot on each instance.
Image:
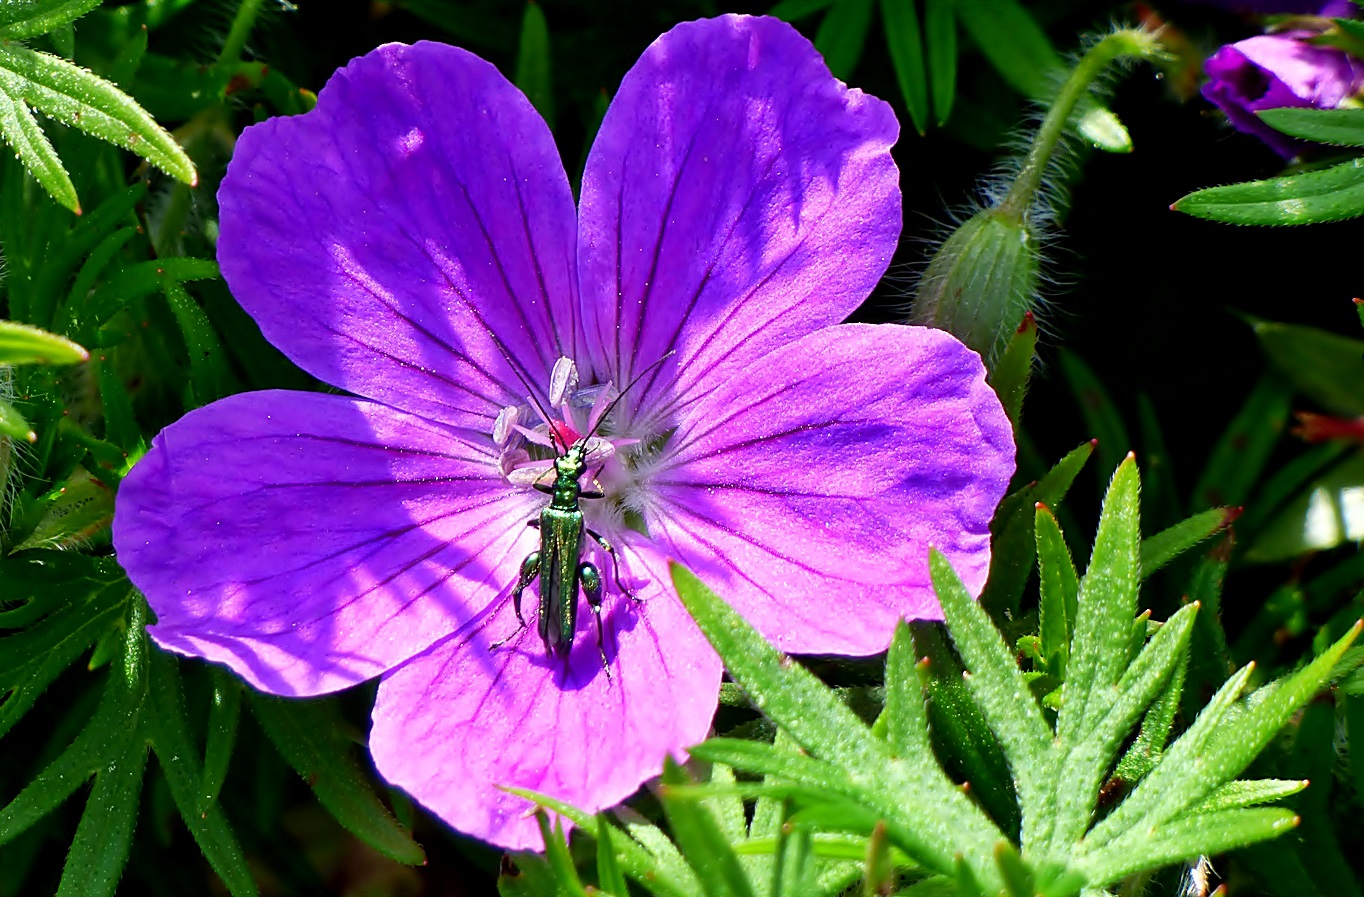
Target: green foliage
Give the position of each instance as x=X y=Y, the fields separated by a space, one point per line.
x=1311 y=197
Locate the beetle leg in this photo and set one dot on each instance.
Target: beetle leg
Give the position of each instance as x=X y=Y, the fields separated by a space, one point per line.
x=615 y=563
x=590 y=577
x=530 y=568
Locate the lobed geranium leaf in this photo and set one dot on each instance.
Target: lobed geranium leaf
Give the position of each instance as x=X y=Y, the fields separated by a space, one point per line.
x=314 y=738
x=842 y=34
x=21 y=131
x=644 y=853
x=905 y=42
x=1241 y=452
x=1017 y=47
x=533 y=63
x=29 y=18
x=1182 y=839
x=1337 y=127
x=1324 y=515
x=940 y=37
x=931 y=821
x=168 y=731
x=1309 y=197
x=1324 y=366
x=701 y=839
x=1058 y=592
x=997 y=684
x=224 y=709
x=31 y=659
x=81 y=99
x=1010 y=374
x=1170 y=543
x=22 y=344
x=1106 y=606
x=105 y=833
x=1248 y=793
x=104 y=738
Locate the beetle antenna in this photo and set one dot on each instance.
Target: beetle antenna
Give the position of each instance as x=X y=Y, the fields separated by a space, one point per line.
x=631 y=385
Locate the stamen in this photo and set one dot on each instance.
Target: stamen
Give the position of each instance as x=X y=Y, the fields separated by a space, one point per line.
x=505 y=425
x=563 y=382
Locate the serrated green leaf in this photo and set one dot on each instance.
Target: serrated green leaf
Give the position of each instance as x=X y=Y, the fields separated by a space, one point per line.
x=1241 y=452
x=1010 y=375
x=996 y=683
x=701 y=840
x=940 y=38
x=224 y=709
x=1106 y=606
x=1337 y=127
x=934 y=819
x=83 y=100
x=1326 y=514
x=312 y=736
x=906 y=719
x=1168 y=544
x=842 y=35
x=533 y=63
x=22 y=344
x=105 y=833
x=21 y=131
x=168 y=731
x=1058 y=592
x=1309 y=197
x=1186 y=838
x=1323 y=366
x=1248 y=793
x=30 y=660
x=906 y=45
x=1017 y=47
x=1145 y=750
x=29 y=18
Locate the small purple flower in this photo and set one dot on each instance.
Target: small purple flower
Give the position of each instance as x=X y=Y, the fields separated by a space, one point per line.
x=414 y=242
x=1276 y=70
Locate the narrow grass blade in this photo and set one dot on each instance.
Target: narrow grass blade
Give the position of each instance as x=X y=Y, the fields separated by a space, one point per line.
x=533 y=63
x=842 y=35
x=940 y=37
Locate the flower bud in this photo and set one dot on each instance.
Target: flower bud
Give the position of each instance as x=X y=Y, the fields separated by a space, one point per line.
x=980 y=282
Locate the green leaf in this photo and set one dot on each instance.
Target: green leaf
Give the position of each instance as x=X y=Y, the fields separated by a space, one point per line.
x=1182 y=839
x=1015 y=45
x=906 y=720
x=208 y=368
x=701 y=840
x=1326 y=514
x=1325 y=367
x=1309 y=197
x=78 y=98
x=1338 y=127
x=23 y=134
x=1314 y=758
x=559 y=859
x=609 y=877
x=1099 y=412
x=795 y=10
x=168 y=730
x=314 y=739
x=1168 y=544
x=996 y=683
x=224 y=710
x=842 y=35
x=22 y=344
x=13 y=424
x=73 y=514
x=940 y=37
x=1241 y=452
x=103 y=740
x=1059 y=589
x=29 y=18
x=1107 y=604
x=1010 y=375
x=906 y=46
x=30 y=660
x=1248 y=793
x=527 y=875
x=100 y=848
x=533 y=63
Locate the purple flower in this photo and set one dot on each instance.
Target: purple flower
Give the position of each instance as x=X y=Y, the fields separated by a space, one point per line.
x=413 y=241
x=1275 y=70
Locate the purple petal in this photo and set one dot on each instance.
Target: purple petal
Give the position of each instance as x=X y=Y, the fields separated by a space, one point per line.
x=409 y=236
x=1272 y=71
x=807 y=490
x=456 y=722
x=737 y=197
x=310 y=542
